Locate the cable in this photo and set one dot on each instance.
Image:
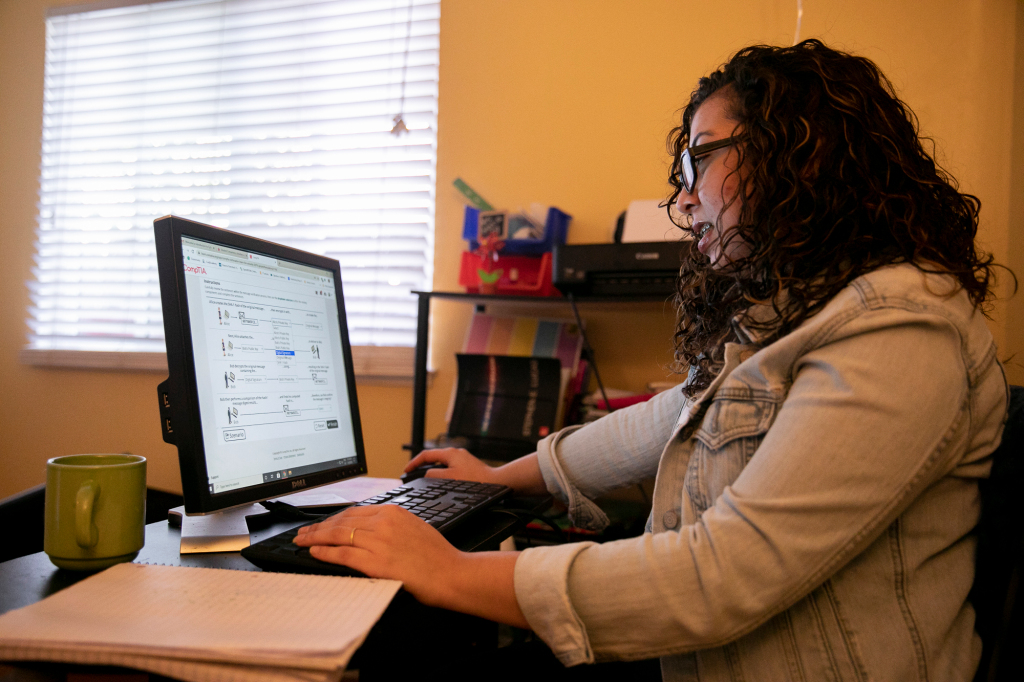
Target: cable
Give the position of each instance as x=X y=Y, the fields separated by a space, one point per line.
x=399 y=120
x=287 y=512
x=588 y=350
x=799 y=20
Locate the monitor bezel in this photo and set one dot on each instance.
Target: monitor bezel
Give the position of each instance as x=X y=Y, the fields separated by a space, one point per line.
x=183 y=390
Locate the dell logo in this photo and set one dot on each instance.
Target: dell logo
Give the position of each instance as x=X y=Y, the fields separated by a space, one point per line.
x=648 y=256
x=301 y=483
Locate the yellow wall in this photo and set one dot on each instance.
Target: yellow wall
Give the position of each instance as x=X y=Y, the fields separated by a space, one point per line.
x=565 y=102
x=569 y=102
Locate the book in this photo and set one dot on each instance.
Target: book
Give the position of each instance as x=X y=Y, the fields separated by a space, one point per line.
x=202 y=624
x=525 y=337
x=530 y=337
x=505 y=404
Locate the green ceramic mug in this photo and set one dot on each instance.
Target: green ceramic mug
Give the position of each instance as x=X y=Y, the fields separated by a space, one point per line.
x=95 y=510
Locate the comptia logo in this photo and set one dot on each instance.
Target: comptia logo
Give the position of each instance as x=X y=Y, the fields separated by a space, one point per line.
x=195 y=269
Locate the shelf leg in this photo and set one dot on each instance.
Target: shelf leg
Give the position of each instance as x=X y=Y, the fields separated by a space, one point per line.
x=419 y=379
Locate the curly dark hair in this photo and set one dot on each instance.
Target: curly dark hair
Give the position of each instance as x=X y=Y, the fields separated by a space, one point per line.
x=837 y=183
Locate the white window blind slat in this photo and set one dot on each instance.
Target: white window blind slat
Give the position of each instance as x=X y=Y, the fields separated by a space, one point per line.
x=161 y=19
x=367 y=129
x=249 y=173
x=329 y=82
x=353 y=97
x=199 y=93
x=322 y=119
x=267 y=117
x=331 y=50
x=308 y=59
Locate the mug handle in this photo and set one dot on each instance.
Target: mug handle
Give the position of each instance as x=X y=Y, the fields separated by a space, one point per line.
x=86 y=532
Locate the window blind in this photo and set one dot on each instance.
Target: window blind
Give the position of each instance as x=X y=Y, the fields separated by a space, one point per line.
x=275 y=118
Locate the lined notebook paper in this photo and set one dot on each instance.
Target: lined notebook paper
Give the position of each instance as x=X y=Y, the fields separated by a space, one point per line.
x=202 y=624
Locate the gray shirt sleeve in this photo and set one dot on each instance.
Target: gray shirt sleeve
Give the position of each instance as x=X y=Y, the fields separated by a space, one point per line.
x=582 y=462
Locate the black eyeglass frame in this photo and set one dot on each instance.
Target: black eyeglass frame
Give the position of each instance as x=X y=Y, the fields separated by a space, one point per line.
x=690 y=155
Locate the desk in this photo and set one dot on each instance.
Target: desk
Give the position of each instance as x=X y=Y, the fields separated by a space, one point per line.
x=28 y=579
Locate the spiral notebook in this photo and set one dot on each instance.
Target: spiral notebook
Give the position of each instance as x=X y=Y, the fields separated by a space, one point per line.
x=202 y=624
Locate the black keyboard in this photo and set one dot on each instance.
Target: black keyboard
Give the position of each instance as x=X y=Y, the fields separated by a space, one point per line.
x=442 y=503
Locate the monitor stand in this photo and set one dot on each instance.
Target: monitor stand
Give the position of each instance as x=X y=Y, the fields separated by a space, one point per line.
x=224 y=531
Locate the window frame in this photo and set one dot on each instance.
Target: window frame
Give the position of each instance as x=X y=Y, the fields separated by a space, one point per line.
x=375 y=365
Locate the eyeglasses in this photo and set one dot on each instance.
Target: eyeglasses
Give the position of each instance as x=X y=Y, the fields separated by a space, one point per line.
x=687 y=160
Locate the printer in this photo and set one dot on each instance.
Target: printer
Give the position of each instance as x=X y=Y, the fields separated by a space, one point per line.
x=644 y=260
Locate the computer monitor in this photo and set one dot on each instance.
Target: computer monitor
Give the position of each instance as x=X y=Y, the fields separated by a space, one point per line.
x=261 y=396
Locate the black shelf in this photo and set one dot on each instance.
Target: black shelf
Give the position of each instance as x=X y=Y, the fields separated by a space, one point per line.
x=541 y=300
x=419 y=383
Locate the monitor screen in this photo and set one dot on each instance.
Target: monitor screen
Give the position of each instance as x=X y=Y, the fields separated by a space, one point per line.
x=264 y=402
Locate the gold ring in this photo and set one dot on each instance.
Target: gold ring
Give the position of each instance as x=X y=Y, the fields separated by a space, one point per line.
x=352 y=538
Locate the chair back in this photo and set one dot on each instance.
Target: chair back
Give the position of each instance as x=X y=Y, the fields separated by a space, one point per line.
x=999 y=565
x=21 y=517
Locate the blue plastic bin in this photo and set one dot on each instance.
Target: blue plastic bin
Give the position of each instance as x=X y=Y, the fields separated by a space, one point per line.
x=555 y=228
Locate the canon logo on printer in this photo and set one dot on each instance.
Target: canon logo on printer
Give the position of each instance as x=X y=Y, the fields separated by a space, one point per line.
x=650 y=255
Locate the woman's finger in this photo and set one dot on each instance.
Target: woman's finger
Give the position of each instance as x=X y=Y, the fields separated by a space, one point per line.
x=340 y=518
x=338 y=536
x=368 y=510
x=420 y=459
x=372 y=518
x=435 y=456
x=353 y=557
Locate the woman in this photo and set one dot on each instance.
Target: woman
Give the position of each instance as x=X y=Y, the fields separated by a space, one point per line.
x=816 y=476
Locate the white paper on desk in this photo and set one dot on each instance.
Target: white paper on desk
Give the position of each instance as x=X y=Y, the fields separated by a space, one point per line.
x=216 y=616
x=343 y=492
x=226 y=523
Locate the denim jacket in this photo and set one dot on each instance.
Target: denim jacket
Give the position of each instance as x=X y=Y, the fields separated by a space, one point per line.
x=815 y=526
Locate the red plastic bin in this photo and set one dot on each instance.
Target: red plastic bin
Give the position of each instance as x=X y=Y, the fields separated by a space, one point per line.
x=532 y=275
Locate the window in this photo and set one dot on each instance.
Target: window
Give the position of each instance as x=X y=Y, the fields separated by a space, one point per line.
x=308 y=123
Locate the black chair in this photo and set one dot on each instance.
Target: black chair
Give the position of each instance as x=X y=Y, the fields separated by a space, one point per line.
x=1000 y=556
x=22 y=517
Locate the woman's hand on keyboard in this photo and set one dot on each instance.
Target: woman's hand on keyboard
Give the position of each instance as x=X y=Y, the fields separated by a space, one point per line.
x=461 y=465
x=386 y=541
x=522 y=475
x=382 y=541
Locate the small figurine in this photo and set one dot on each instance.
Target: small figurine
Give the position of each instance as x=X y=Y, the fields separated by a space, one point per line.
x=487 y=252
